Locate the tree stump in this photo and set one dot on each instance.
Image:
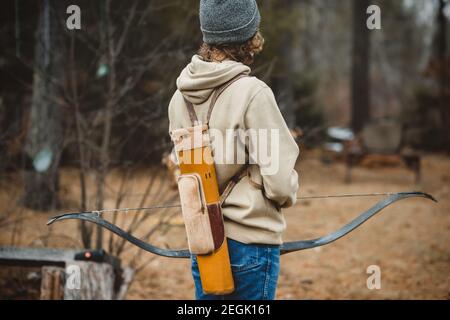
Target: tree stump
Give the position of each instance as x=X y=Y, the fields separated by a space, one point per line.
x=52 y=283
x=89 y=281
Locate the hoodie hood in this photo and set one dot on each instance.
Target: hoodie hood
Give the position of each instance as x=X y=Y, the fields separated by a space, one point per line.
x=199 y=79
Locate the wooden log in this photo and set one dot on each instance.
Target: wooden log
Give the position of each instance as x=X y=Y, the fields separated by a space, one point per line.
x=62 y=277
x=52 y=283
x=127 y=278
x=381 y=160
x=89 y=281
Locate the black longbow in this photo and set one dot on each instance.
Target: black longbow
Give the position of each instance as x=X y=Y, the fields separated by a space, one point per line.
x=287 y=247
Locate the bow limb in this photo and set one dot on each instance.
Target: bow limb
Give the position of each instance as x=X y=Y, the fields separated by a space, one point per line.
x=288 y=247
x=94 y=218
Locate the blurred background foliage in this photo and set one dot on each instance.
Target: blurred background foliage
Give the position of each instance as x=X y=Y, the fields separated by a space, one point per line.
x=100 y=94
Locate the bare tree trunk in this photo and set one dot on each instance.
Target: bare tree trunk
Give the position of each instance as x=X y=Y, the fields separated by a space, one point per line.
x=285 y=86
x=44 y=138
x=444 y=91
x=109 y=50
x=85 y=228
x=360 y=66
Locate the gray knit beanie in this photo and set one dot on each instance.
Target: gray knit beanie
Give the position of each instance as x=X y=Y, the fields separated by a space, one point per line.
x=228 y=21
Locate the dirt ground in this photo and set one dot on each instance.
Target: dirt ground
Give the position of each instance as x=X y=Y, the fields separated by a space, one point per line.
x=409 y=241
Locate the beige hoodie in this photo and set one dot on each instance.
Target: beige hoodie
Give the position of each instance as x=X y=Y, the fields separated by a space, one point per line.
x=252 y=211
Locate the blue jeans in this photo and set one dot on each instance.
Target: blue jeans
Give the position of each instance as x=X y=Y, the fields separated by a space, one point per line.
x=255 y=271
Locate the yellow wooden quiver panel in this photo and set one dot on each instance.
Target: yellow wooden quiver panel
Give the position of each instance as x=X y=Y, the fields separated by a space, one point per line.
x=215 y=269
x=215 y=272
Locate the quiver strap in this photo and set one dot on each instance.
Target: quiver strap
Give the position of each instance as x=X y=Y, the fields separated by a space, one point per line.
x=190 y=107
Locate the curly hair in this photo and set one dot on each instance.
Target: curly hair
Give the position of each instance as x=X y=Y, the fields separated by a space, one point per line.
x=241 y=52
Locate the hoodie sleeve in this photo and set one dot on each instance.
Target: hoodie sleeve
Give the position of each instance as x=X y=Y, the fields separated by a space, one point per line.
x=276 y=160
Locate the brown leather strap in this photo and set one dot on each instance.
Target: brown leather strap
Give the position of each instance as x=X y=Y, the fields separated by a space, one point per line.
x=191 y=111
x=233 y=182
x=218 y=92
